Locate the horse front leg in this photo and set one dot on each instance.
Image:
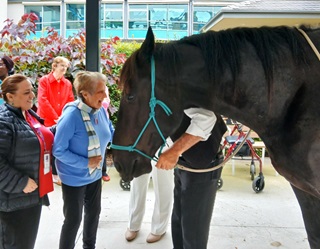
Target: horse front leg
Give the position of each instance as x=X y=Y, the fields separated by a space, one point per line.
x=310 y=207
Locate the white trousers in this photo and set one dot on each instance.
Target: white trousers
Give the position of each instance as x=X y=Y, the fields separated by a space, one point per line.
x=163 y=182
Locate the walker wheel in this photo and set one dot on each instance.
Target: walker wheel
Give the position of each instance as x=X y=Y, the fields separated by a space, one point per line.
x=220 y=183
x=125 y=185
x=258 y=183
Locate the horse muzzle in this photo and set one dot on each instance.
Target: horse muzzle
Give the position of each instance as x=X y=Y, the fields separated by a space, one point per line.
x=128 y=169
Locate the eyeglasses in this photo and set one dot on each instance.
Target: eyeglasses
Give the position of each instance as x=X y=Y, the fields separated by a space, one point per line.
x=63 y=65
x=2 y=65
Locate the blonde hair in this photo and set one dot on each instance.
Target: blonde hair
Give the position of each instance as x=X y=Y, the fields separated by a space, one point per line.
x=87 y=81
x=57 y=60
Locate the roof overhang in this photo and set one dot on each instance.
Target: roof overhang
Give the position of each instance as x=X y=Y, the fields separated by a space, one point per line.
x=225 y=20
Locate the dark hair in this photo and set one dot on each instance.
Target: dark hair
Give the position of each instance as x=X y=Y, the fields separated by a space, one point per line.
x=10 y=85
x=9 y=64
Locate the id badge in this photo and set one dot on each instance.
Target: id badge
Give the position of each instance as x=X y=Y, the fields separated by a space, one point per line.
x=46 y=162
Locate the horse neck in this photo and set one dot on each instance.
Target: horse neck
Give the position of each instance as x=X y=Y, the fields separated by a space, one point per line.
x=205 y=94
x=196 y=89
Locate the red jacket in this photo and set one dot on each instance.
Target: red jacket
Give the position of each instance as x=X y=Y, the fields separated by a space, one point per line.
x=52 y=97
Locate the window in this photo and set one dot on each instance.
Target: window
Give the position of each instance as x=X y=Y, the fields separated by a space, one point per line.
x=75 y=18
x=138 y=21
x=178 y=17
x=158 y=15
x=75 y=12
x=167 y=21
x=49 y=16
x=111 y=20
x=202 y=15
x=138 y=17
x=38 y=11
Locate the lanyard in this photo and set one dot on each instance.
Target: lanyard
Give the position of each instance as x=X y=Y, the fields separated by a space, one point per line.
x=36 y=127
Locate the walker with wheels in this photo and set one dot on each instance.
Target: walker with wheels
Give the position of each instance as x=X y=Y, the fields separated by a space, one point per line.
x=239 y=145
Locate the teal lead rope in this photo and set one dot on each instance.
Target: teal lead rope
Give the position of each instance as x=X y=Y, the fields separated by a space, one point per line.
x=152 y=104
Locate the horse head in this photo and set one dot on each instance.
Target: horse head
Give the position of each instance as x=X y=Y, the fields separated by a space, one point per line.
x=144 y=117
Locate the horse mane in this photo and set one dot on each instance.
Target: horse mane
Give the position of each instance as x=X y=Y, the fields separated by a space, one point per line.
x=128 y=71
x=161 y=54
x=164 y=51
x=268 y=42
x=216 y=47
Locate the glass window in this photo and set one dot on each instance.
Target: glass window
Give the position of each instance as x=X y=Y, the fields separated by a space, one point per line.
x=75 y=25
x=111 y=12
x=138 y=15
x=111 y=25
x=38 y=11
x=49 y=16
x=158 y=16
x=56 y=26
x=216 y=9
x=178 y=13
x=75 y=12
x=75 y=18
x=167 y=21
x=138 y=6
x=138 y=20
x=111 y=20
x=178 y=17
x=158 y=13
x=202 y=15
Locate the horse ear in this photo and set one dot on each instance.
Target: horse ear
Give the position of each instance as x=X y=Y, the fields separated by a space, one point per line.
x=148 y=45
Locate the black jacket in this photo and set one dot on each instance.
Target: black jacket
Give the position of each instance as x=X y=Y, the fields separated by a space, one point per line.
x=19 y=159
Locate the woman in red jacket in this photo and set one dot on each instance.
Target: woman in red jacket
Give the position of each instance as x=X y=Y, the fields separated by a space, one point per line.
x=54 y=92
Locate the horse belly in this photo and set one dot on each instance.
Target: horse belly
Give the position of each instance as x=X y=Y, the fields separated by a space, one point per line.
x=300 y=166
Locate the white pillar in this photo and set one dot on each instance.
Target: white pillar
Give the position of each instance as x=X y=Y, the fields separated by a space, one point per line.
x=3 y=12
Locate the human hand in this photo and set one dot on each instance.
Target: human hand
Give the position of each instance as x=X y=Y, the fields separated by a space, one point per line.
x=168 y=159
x=31 y=186
x=94 y=162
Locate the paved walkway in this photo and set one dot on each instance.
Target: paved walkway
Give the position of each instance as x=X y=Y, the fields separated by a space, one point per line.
x=242 y=219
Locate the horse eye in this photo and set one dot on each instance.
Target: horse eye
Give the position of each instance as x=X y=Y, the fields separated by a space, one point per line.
x=130 y=97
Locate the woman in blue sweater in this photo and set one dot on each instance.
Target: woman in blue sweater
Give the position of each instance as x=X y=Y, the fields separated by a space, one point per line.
x=82 y=134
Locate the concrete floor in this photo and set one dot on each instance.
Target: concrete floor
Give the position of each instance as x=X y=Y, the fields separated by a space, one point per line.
x=242 y=219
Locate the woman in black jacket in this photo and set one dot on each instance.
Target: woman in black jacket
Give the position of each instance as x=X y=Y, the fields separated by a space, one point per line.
x=25 y=170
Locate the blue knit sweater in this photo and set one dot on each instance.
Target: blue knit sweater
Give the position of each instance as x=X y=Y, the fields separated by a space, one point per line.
x=70 y=145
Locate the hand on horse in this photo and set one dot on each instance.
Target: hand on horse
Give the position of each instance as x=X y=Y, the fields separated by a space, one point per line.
x=168 y=159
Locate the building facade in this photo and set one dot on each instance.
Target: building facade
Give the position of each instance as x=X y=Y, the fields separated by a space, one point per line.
x=253 y=13
x=127 y=19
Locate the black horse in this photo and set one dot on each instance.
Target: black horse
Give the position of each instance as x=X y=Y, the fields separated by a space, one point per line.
x=267 y=78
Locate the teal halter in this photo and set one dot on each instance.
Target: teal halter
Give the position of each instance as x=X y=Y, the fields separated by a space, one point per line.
x=153 y=102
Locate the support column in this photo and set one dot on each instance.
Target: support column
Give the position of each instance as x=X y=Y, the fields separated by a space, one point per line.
x=93 y=35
